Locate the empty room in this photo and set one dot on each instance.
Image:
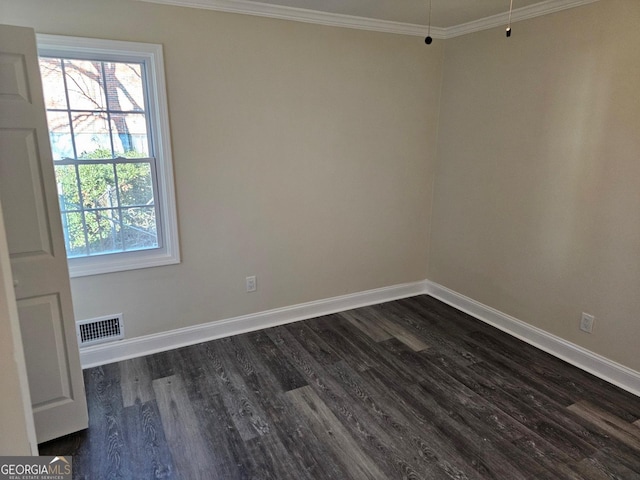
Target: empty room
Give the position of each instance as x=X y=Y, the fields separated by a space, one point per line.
x=296 y=239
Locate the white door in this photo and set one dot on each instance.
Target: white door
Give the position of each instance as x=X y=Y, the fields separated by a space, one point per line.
x=28 y=195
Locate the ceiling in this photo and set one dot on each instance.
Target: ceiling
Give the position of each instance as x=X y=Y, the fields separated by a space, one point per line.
x=449 y=18
x=444 y=13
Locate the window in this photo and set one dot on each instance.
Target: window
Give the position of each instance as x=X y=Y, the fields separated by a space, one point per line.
x=108 y=128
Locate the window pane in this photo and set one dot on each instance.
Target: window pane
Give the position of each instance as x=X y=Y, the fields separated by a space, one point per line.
x=60 y=135
x=53 y=83
x=98 y=186
x=124 y=86
x=92 y=136
x=74 y=234
x=135 y=184
x=67 y=187
x=130 y=135
x=103 y=230
x=84 y=85
x=139 y=228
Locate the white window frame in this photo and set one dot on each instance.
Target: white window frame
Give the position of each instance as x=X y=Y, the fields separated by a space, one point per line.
x=158 y=118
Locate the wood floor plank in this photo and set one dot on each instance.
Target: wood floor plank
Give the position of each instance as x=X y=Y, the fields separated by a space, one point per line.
x=319 y=348
x=433 y=311
x=602 y=466
x=227 y=450
x=270 y=462
x=432 y=444
x=279 y=445
x=553 y=432
x=473 y=409
x=135 y=382
x=555 y=462
x=330 y=430
x=611 y=456
x=196 y=369
x=503 y=431
x=556 y=372
x=347 y=347
x=434 y=333
x=496 y=357
x=247 y=416
x=524 y=405
x=400 y=332
x=143 y=428
x=288 y=377
x=105 y=417
x=182 y=430
x=430 y=463
x=163 y=364
x=373 y=439
x=347 y=340
x=461 y=449
x=611 y=424
x=527 y=404
x=359 y=319
x=497 y=464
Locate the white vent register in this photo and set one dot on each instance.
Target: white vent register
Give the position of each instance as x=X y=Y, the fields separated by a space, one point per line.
x=99 y=330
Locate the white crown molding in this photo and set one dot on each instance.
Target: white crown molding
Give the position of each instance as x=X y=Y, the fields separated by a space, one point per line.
x=577 y=356
x=537 y=10
x=283 y=12
x=139 y=346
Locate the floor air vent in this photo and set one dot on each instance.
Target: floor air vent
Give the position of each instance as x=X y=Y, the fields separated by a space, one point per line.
x=99 y=330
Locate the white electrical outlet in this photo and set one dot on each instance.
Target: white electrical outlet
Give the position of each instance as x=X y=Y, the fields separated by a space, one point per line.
x=252 y=284
x=586 y=322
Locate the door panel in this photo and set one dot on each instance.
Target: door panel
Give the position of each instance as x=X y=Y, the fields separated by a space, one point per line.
x=28 y=230
x=36 y=244
x=13 y=77
x=49 y=383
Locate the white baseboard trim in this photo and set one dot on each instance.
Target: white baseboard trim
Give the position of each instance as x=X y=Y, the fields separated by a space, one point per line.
x=182 y=337
x=580 y=357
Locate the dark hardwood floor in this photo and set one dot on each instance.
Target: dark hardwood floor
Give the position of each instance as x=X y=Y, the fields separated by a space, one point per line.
x=408 y=389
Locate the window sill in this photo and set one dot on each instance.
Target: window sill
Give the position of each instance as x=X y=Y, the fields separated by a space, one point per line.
x=100 y=264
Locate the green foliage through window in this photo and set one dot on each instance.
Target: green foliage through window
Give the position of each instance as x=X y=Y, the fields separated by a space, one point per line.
x=116 y=211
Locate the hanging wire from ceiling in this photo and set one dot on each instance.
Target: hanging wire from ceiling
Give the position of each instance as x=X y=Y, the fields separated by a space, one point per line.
x=428 y=40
